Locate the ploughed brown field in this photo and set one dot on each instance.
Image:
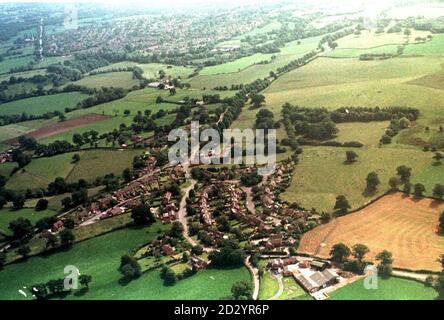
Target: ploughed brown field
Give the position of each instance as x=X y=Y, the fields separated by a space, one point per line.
x=405 y=226
x=61 y=127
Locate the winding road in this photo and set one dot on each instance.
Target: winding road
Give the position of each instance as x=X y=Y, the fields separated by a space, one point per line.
x=255 y=275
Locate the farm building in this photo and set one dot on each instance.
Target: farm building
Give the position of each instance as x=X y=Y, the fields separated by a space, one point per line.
x=318 y=280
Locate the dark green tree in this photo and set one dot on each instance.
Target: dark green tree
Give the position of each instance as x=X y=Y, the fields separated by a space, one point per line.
x=339 y=252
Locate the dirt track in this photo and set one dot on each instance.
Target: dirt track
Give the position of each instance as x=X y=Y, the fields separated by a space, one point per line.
x=407 y=227
x=61 y=127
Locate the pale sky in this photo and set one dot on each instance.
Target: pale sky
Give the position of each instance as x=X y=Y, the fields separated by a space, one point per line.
x=370 y=6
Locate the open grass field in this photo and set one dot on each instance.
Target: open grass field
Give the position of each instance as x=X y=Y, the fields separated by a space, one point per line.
x=47 y=61
x=95 y=163
x=43 y=104
x=112 y=79
x=322 y=174
x=268 y=286
x=431 y=48
x=335 y=83
x=388 y=289
x=25 y=74
x=289 y=52
x=92 y=164
x=293 y=291
x=15 y=62
x=6 y=168
x=151 y=70
x=356 y=52
x=7 y=215
x=405 y=226
x=40 y=172
x=139 y=100
x=270 y=26
x=368 y=133
x=370 y=39
x=236 y=65
x=100 y=257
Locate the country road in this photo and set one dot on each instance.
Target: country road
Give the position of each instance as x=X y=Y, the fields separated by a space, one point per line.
x=182 y=213
x=255 y=275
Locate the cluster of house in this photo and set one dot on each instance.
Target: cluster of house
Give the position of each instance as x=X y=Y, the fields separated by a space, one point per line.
x=169 y=208
x=163 y=247
x=204 y=207
x=162 y=84
x=312 y=275
x=118 y=202
x=55 y=228
x=233 y=199
x=176 y=173
x=281 y=175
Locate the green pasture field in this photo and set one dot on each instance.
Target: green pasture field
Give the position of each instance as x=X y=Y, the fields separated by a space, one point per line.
x=388 y=289
x=55 y=202
x=368 y=133
x=273 y=25
x=25 y=74
x=100 y=258
x=430 y=48
x=6 y=168
x=290 y=52
x=370 y=39
x=268 y=286
x=151 y=70
x=356 y=52
x=322 y=174
x=7 y=215
x=111 y=79
x=293 y=291
x=15 y=62
x=20 y=88
x=336 y=83
x=95 y=163
x=43 y=104
x=236 y=65
x=47 y=61
x=4 y=147
x=139 y=100
x=41 y=171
